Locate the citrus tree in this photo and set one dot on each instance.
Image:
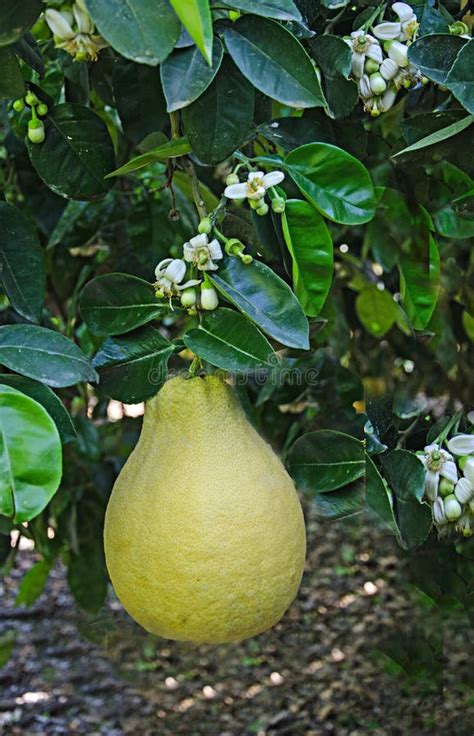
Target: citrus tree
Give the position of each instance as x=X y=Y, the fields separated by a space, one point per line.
x=278 y=192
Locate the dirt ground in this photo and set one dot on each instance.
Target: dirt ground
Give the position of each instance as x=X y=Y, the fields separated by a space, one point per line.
x=323 y=670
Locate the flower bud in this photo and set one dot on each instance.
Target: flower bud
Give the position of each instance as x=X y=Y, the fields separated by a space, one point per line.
x=36 y=131
x=278 y=205
x=234 y=15
x=439 y=516
x=262 y=210
x=42 y=109
x=452 y=508
x=461 y=444
x=205 y=226
x=463 y=490
x=31 y=99
x=209 y=298
x=378 y=85
x=19 y=105
x=232 y=179
x=256 y=203
x=398 y=52
x=446 y=487
x=188 y=297
x=371 y=66
x=389 y=69
x=468 y=470
x=364 y=87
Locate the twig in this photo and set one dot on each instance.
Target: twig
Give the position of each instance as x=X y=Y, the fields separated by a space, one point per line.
x=198 y=200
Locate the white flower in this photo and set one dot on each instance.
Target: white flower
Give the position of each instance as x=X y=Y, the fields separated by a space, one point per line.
x=169 y=273
x=438 y=463
x=74 y=32
x=462 y=444
x=403 y=30
x=84 y=22
x=202 y=253
x=388 y=69
x=363 y=46
x=398 y=52
x=452 y=508
x=59 y=24
x=209 y=298
x=463 y=490
x=256 y=185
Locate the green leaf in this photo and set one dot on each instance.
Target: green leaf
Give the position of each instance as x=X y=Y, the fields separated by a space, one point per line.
x=11 y=81
x=45 y=355
x=76 y=154
x=334 y=58
x=460 y=80
x=33 y=583
x=140 y=30
x=267 y=300
x=377 y=310
x=274 y=61
x=310 y=245
x=15 y=19
x=344 y=502
x=277 y=9
x=28 y=50
x=7 y=642
x=195 y=15
x=324 y=461
x=333 y=181
x=435 y=54
x=229 y=341
x=452 y=224
x=139 y=99
x=21 y=263
x=377 y=495
x=172 y=149
x=116 y=303
x=185 y=75
x=439 y=135
x=30 y=449
x=133 y=367
x=468 y=324
x=406 y=477
x=47 y=398
x=220 y=120
x=420 y=280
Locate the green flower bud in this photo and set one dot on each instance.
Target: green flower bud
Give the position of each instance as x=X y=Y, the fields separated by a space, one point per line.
x=463 y=460
x=159 y=293
x=31 y=99
x=36 y=131
x=19 y=105
x=188 y=297
x=371 y=66
x=205 y=226
x=234 y=15
x=445 y=487
x=42 y=109
x=209 y=298
x=232 y=179
x=278 y=205
x=378 y=85
x=256 y=203
x=262 y=210
x=452 y=508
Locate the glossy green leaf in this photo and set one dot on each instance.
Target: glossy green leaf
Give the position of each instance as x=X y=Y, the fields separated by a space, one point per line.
x=277 y=9
x=139 y=99
x=116 y=303
x=310 y=244
x=377 y=310
x=420 y=280
x=333 y=181
x=344 y=502
x=377 y=495
x=435 y=54
x=185 y=75
x=133 y=367
x=21 y=263
x=45 y=355
x=406 y=477
x=47 y=398
x=274 y=61
x=76 y=154
x=16 y=16
x=33 y=583
x=452 y=224
x=334 y=58
x=171 y=149
x=28 y=50
x=220 y=120
x=30 y=449
x=269 y=302
x=460 y=80
x=11 y=80
x=142 y=31
x=229 y=341
x=324 y=461
x=195 y=15
x=439 y=135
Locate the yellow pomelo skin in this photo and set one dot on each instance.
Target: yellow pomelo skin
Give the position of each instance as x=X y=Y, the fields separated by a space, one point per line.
x=204 y=532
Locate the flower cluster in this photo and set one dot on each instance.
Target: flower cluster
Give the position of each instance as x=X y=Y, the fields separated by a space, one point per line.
x=255 y=189
x=380 y=63
x=74 y=31
x=449 y=484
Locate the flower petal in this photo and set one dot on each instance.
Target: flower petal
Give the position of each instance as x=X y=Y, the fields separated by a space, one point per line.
x=255 y=175
x=273 y=178
x=387 y=31
x=431 y=448
x=236 y=191
x=199 y=241
x=160 y=269
x=58 y=24
x=404 y=11
x=375 y=52
x=358 y=61
x=215 y=250
x=188 y=252
x=449 y=471
x=175 y=270
x=431 y=484
x=462 y=444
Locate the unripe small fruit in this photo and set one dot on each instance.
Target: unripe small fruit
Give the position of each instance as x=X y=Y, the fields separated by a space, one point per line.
x=80 y=56
x=246 y=258
x=36 y=131
x=262 y=210
x=232 y=179
x=446 y=487
x=205 y=226
x=31 y=99
x=42 y=109
x=452 y=508
x=19 y=105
